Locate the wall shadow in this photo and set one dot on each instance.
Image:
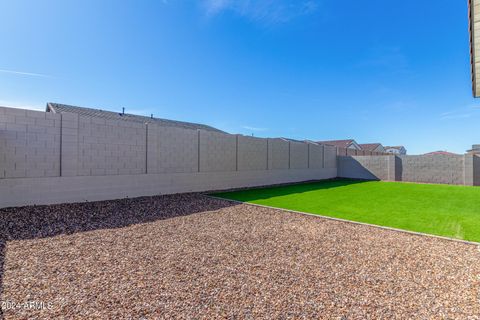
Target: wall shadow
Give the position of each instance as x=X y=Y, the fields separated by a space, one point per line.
x=352 y=168
x=47 y=221
x=252 y=194
x=398 y=169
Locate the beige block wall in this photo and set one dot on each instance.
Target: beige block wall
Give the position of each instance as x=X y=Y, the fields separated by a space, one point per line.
x=278 y=154
x=218 y=151
x=110 y=147
x=315 y=156
x=90 y=156
x=330 y=156
x=252 y=153
x=29 y=191
x=29 y=143
x=365 y=167
x=176 y=150
x=476 y=170
x=446 y=169
x=298 y=155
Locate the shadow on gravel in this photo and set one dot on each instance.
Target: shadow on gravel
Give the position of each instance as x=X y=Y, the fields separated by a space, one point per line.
x=47 y=221
x=284 y=190
x=2 y=260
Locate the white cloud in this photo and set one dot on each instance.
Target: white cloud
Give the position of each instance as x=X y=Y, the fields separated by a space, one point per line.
x=23 y=73
x=461 y=113
x=254 y=128
x=266 y=11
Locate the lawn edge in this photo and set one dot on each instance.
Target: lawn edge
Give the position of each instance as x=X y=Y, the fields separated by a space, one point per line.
x=352 y=222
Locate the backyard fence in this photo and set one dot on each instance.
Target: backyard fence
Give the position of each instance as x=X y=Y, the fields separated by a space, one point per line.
x=354 y=152
x=50 y=157
x=61 y=157
x=444 y=169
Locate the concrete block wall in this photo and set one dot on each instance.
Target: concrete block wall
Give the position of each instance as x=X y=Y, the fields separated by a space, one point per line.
x=176 y=149
x=110 y=147
x=29 y=143
x=218 y=151
x=279 y=154
x=446 y=169
x=252 y=153
x=366 y=167
x=330 y=157
x=315 y=156
x=298 y=155
x=443 y=169
x=53 y=158
x=476 y=170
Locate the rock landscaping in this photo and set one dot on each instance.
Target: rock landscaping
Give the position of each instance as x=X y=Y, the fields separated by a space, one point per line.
x=193 y=257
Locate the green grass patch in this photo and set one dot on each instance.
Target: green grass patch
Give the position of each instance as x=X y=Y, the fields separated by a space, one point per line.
x=444 y=210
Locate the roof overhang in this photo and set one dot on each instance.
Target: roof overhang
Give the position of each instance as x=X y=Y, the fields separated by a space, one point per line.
x=474 y=27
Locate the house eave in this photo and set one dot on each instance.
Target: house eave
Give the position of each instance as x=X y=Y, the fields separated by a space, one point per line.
x=473 y=6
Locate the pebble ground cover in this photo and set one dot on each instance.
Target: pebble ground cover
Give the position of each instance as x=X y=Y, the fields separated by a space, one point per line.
x=192 y=257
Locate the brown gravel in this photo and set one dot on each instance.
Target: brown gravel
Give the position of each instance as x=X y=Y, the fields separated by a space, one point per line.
x=188 y=256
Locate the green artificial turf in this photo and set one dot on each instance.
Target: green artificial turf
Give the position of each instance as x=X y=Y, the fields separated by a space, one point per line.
x=451 y=211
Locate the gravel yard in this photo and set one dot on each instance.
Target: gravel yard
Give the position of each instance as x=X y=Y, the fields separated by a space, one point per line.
x=189 y=256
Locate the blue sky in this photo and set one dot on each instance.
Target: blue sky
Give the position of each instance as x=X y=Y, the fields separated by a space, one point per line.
x=395 y=72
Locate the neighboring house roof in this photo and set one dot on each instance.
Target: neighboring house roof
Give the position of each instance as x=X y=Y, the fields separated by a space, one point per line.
x=370 y=146
x=474 y=27
x=441 y=153
x=395 y=147
x=89 y=112
x=475 y=149
x=292 y=140
x=340 y=143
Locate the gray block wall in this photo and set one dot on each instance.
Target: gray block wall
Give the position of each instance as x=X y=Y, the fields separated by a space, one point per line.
x=366 y=167
x=442 y=169
x=252 y=153
x=52 y=158
x=330 y=157
x=110 y=147
x=29 y=143
x=315 y=156
x=476 y=170
x=218 y=151
x=445 y=169
x=298 y=155
x=279 y=154
x=175 y=149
